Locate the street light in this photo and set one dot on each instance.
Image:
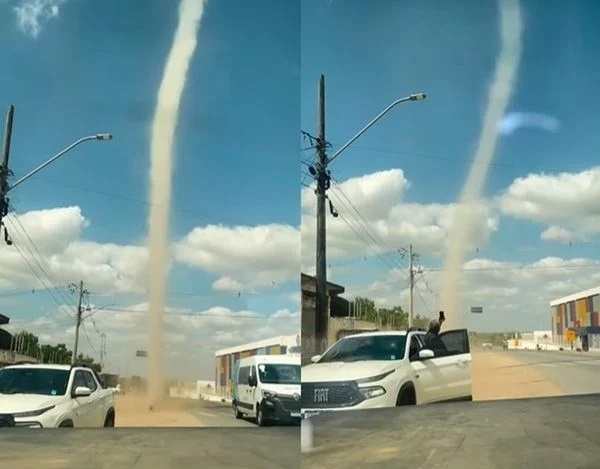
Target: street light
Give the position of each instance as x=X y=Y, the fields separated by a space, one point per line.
x=99 y=137
x=412 y=97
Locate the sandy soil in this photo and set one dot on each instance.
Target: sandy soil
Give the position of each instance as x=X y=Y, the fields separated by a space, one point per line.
x=498 y=376
x=133 y=411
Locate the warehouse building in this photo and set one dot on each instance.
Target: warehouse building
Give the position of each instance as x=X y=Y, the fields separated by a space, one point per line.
x=227 y=358
x=580 y=314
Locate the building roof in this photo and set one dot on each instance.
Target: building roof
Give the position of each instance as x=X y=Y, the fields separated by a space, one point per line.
x=576 y=296
x=287 y=340
x=308 y=283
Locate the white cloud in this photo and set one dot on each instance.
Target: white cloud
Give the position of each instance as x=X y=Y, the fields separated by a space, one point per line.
x=557 y=233
x=566 y=202
x=244 y=257
x=48 y=242
x=191 y=337
x=514 y=295
x=392 y=222
x=32 y=14
x=517 y=120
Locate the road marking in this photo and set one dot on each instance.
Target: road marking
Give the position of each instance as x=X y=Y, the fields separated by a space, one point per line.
x=206 y=414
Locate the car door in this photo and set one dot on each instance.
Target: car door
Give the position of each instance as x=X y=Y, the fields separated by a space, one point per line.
x=82 y=415
x=243 y=389
x=96 y=402
x=425 y=373
x=457 y=363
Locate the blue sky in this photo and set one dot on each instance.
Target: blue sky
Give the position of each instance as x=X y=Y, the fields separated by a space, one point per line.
x=97 y=69
x=372 y=56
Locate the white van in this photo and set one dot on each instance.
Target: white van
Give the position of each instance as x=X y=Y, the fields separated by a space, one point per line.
x=267 y=388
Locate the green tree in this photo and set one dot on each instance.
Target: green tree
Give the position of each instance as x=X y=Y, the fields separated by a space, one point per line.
x=58 y=354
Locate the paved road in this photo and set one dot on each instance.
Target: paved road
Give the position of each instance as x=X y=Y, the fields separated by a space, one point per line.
x=214 y=414
x=157 y=448
x=540 y=433
x=571 y=372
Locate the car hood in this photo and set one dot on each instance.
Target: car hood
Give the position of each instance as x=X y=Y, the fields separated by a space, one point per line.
x=15 y=403
x=284 y=389
x=345 y=371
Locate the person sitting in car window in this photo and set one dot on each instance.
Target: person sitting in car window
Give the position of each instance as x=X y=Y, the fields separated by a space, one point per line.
x=432 y=340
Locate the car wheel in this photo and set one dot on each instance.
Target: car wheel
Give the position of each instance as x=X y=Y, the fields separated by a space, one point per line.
x=109 y=421
x=66 y=424
x=406 y=397
x=260 y=418
x=237 y=413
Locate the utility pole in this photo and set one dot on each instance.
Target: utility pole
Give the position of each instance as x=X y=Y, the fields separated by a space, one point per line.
x=80 y=293
x=411 y=280
x=102 y=348
x=323 y=183
x=5 y=170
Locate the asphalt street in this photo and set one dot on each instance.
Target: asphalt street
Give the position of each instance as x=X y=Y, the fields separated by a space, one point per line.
x=215 y=445
x=214 y=414
x=536 y=433
x=571 y=372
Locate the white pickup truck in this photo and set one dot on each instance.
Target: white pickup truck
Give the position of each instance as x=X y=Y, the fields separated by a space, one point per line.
x=47 y=396
x=388 y=369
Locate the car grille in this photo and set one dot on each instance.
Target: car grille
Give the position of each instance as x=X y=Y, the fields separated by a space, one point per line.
x=290 y=404
x=327 y=395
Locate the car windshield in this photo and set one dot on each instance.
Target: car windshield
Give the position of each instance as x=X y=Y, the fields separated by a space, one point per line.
x=41 y=381
x=363 y=348
x=279 y=374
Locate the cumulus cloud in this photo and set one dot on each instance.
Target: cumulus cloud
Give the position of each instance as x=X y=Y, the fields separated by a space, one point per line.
x=48 y=249
x=566 y=202
x=375 y=203
x=514 y=295
x=244 y=257
x=191 y=337
x=33 y=14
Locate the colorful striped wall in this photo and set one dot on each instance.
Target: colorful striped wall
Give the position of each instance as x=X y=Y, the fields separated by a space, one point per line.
x=582 y=312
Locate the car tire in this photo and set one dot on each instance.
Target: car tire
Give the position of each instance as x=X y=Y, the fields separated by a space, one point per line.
x=66 y=424
x=260 y=417
x=109 y=420
x=406 y=397
x=236 y=412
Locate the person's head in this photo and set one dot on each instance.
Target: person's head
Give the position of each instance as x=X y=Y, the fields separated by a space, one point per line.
x=434 y=327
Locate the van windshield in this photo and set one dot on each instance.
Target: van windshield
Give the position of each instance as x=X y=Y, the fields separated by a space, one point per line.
x=279 y=373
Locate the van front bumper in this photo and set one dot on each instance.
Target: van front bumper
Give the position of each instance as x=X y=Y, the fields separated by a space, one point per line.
x=281 y=408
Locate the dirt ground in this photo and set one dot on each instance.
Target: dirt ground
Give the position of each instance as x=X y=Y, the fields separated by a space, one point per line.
x=497 y=376
x=132 y=410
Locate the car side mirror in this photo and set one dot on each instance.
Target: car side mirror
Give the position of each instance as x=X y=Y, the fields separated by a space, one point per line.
x=82 y=391
x=315 y=358
x=424 y=354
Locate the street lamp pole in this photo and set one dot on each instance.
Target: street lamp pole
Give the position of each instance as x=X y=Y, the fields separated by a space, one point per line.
x=57 y=156
x=323 y=178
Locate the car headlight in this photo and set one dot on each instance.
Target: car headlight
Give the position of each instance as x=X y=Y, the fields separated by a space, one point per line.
x=371 y=392
x=269 y=394
x=374 y=379
x=33 y=413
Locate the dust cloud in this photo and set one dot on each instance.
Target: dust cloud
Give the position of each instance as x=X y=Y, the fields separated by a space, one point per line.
x=500 y=91
x=161 y=167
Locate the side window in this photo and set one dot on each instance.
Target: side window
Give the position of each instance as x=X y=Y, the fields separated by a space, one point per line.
x=456 y=342
x=78 y=380
x=243 y=376
x=253 y=372
x=90 y=382
x=415 y=346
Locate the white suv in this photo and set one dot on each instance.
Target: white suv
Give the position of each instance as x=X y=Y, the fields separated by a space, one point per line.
x=388 y=369
x=40 y=396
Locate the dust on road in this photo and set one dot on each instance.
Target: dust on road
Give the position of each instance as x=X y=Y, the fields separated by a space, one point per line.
x=132 y=410
x=496 y=375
